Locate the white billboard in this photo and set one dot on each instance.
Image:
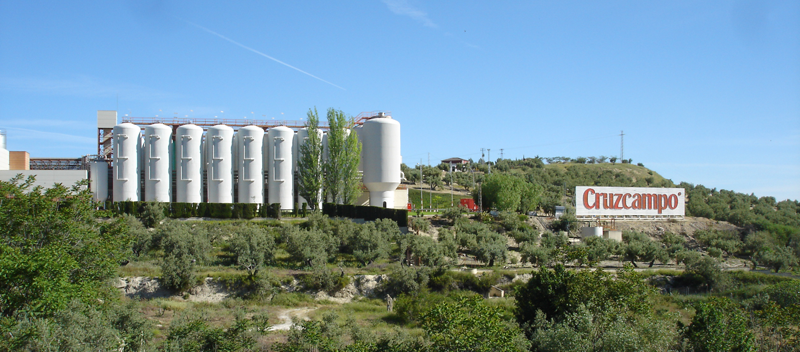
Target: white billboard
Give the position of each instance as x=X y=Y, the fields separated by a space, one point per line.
x=629 y=201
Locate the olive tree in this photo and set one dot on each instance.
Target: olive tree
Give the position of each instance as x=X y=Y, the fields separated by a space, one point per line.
x=253 y=248
x=184 y=249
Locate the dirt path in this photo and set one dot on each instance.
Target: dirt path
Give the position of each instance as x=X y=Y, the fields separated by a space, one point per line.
x=286 y=317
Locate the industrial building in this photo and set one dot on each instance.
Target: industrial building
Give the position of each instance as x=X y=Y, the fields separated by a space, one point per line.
x=214 y=161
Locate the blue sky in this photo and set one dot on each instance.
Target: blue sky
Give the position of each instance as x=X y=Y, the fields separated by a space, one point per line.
x=707 y=92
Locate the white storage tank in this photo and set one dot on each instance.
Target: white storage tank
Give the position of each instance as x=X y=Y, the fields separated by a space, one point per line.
x=381 y=146
x=5 y=160
x=281 y=184
x=325 y=147
x=359 y=131
x=189 y=164
x=592 y=231
x=98 y=178
x=249 y=143
x=158 y=163
x=219 y=164
x=127 y=144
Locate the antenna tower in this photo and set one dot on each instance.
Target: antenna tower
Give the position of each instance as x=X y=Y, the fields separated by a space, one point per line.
x=501 y=153
x=621 y=145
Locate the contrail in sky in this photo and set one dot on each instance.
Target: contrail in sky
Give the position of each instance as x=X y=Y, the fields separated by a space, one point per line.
x=257 y=52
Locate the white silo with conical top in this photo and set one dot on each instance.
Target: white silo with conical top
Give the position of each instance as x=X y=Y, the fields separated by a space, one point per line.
x=157 y=163
x=381 y=146
x=249 y=143
x=189 y=164
x=281 y=183
x=126 y=168
x=219 y=164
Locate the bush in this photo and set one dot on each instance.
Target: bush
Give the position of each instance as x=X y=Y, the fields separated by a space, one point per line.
x=323 y=278
x=720 y=325
x=77 y=327
x=191 y=332
x=785 y=294
x=141 y=237
x=557 y=292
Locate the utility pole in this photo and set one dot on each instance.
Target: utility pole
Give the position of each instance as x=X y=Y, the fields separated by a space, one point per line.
x=451 y=184
x=421 y=186
x=489 y=151
x=430 y=192
x=621 y=146
x=501 y=153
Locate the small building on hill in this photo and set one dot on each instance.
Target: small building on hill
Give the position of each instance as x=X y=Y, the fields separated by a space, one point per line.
x=453 y=162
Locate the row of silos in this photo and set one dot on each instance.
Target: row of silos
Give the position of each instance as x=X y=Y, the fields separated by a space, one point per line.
x=211 y=159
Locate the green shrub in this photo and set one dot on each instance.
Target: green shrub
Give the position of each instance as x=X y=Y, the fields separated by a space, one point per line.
x=191 y=332
x=785 y=294
x=720 y=325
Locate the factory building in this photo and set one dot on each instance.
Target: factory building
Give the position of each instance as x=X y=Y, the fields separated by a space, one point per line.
x=215 y=161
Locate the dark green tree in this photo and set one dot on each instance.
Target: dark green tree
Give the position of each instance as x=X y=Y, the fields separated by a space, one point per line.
x=309 y=163
x=52 y=248
x=344 y=154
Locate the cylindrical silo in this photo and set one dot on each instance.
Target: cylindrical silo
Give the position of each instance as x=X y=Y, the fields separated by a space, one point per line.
x=359 y=130
x=251 y=177
x=219 y=164
x=189 y=164
x=5 y=160
x=280 y=167
x=98 y=178
x=157 y=163
x=126 y=162
x=381 y=145
x=324 y=147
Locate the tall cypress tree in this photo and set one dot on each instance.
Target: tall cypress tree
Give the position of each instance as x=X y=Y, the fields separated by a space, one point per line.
x=334 y=165
x=341 y=184
x=309 y=163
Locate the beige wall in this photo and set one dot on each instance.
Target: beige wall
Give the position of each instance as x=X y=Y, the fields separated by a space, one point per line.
x=19 y=161
x=400 y=198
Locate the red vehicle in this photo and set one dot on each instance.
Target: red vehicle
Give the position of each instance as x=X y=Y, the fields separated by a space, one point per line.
x=469 y=203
